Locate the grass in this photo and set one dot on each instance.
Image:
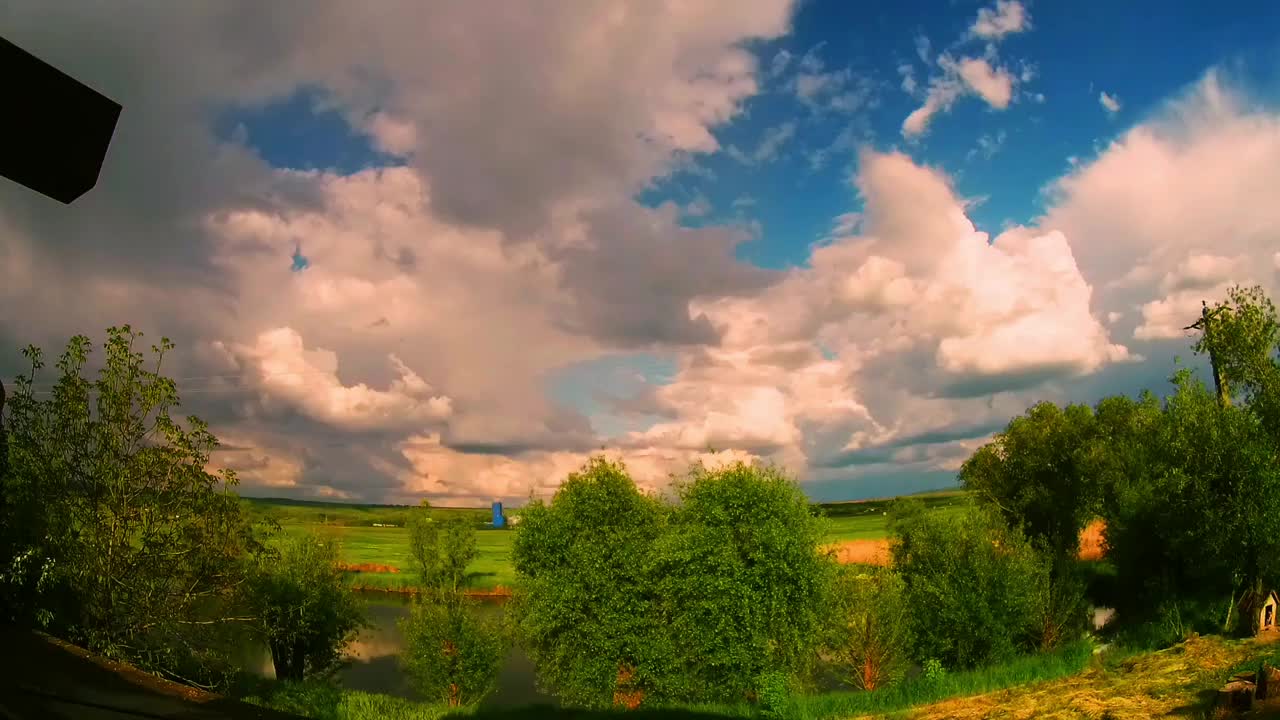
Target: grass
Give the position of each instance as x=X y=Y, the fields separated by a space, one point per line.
x=1069 y=660
x=322 y=700
x=355 y=527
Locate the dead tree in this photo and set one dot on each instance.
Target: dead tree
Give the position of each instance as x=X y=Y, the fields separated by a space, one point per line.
x=1205 y=326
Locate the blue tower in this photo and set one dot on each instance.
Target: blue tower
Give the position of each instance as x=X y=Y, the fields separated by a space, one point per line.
x=499 y=520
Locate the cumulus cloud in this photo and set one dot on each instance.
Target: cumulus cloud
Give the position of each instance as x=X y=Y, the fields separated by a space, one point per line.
x=1005 y=18
x=994 y=85
x=413 y=356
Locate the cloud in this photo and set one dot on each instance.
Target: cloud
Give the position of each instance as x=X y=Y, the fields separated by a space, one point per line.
x=771 y=143
x=1109 y=102
x=994 y=85
x=1006 y=18
x=779 y=63
x=988 y=145
x=968 y=75
x=307 y=379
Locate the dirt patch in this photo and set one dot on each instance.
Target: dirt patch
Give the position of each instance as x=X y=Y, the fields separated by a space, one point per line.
x=1091 y=541
x=865 y=552
x=368 y=568
x=876 y=552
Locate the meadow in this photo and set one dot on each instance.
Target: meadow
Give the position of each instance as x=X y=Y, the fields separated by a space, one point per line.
x=375 y=535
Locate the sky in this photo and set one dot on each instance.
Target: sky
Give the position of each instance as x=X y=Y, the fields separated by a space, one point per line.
x=442 y=251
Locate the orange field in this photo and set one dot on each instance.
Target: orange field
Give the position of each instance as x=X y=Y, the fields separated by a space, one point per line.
x=876 y=552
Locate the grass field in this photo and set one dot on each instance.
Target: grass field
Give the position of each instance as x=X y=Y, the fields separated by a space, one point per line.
x=362 y=541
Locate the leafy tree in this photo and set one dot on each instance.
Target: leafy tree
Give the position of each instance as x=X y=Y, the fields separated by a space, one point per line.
x=970 y=581
x=871 y=639
x=115 y=536
x=742 y=579
x=441 y=552
x=451 y=652
x=1242 y=338
x=303 y=605
x=1034 y=473
x=586 y=606
x=1203 y=525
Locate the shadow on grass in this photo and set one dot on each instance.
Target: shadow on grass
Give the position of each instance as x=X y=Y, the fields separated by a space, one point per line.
x=547 y=711
x=1201 y=707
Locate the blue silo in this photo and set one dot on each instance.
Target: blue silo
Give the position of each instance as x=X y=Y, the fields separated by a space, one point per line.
x=499 y=520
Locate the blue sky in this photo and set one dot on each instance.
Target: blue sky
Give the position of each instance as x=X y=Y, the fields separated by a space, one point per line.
x=476 y=281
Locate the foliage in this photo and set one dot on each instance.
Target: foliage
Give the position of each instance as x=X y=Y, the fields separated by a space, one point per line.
x=303 y=606
x=1242 y=340
x=971 y=584
x=773 y=690
x=114 y=533
x=440 y=552
x=742 y=579
x=871 y=640
x=1202 y=522
x=941 y=685
x=322 y=700
x=585 y=607
x=451 y=653
x=1034 y=473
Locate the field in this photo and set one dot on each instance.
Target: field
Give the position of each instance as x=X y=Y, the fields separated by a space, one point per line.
x=366 y=540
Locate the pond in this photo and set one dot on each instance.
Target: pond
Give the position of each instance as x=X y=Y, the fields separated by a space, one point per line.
x=374 y=657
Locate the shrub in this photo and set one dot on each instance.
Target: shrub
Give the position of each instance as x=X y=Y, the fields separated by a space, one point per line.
x=971 y=584
x=871 y=635
x=304 y=607
x=744 y=583
x=585 y=605
x=451 y=653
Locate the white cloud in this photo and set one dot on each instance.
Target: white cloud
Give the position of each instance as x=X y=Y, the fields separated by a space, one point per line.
x=1006 y=18
x=994 y=85
x=1109 y=102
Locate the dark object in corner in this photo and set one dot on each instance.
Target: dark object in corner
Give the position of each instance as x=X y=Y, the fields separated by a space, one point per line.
x=54 y=130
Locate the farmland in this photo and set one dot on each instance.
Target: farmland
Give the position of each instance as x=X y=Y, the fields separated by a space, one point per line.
x=376 y=534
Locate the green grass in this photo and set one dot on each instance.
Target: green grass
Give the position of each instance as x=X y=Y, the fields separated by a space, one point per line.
x=1068 y=660
x=353 y=526
x=321 y=700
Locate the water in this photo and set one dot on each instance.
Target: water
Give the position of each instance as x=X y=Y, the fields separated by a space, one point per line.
x=374 y=657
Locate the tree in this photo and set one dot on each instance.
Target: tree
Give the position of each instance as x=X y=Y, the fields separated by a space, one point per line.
x=871 y=638
x=970 y=582
x=586 y=605
x=1242 y=337
x=1203 y=525
x=441 y=552
x=115 y=536
x=451 y=653
x=1034 y=474
x=742 y=579
x=303 y=605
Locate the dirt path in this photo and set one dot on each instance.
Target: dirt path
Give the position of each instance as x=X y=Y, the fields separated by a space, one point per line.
x=876 y=552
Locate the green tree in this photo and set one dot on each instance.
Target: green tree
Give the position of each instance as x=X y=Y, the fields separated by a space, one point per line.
x=586 y=607
x=1242 y=338
x=970 y=581
x=1203 y=524
x=303 y=605
x=742 y=579
x=1035 y=474
x=441 y=552
x=451 y=652
x=871 y=639
x=115 y=535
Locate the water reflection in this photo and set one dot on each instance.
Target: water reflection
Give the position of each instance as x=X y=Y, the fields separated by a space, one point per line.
x=375 y=657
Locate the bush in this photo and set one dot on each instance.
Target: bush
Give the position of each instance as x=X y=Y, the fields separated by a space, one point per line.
x=871 y=637
x=304 y=607
x=743 y=580
x=452 y=654
x=972 y=585
x=585 y=605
